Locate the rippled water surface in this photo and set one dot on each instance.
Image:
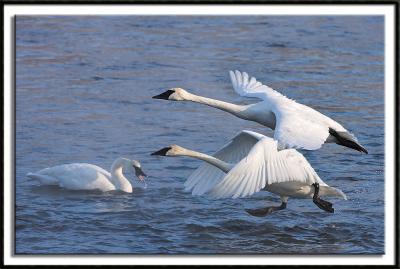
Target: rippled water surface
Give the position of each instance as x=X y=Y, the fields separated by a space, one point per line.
x=84 y=87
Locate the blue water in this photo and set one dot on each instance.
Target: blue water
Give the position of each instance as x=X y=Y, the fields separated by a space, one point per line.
x=83 y=94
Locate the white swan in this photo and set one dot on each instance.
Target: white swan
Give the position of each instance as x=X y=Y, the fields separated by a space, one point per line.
x=251 y=162
x=295 y=125
x=84 y=176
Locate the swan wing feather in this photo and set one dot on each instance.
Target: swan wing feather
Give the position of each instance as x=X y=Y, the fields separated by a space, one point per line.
x=76 y=176
x=298 y=126
x=265 y=165
x=207 y=176
x=251 y=87
x=295 y=130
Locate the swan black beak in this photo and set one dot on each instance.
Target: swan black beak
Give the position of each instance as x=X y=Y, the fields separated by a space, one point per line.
x=140 y=174
x=162 y=152
x=164 y=95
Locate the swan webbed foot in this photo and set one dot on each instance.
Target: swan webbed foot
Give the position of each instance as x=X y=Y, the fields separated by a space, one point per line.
x=262 y=212
x=322 y=204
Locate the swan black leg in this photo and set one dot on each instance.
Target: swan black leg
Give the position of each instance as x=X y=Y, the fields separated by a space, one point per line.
x=262 y=212
x=324 y=205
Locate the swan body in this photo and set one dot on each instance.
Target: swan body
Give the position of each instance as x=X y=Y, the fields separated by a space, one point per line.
x=84 y=176
x=295 y=125
x=251 y=162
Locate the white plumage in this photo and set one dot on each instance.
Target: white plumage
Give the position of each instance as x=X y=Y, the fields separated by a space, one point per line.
x=295 y=125
x=249 y=163
x=265 y=166
x=84 y=176
x=207 y=176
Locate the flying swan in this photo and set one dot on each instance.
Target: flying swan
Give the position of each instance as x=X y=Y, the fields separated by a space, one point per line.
x=295 y=125
x=252 y=162
x=84 y=176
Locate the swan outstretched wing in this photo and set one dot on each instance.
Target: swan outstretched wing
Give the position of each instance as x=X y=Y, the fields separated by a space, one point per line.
x=297 y=125
x=250 y=87
x=207 y=176
x=265 y=165
x=296 y=129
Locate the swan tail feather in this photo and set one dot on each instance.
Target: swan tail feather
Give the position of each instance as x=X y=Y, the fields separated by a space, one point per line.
x=43 y=179
x=333 y=192
x=33 y=175
x=347 y=140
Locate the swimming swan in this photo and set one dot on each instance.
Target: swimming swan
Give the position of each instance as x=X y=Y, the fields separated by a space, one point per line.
x=251 y=162
x=84 y=176
x=295 y=125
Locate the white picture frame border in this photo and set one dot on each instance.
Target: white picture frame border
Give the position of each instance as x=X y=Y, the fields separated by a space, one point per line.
x=386 y=10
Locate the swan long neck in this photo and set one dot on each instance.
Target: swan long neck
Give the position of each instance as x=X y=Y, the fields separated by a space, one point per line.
x=234 y=109
x=117 y=176
x=224 y=166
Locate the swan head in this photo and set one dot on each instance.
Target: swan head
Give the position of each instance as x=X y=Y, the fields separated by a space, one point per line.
x=174 y=94
x=138 y=170
x=172 y=150
x=132 y=166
